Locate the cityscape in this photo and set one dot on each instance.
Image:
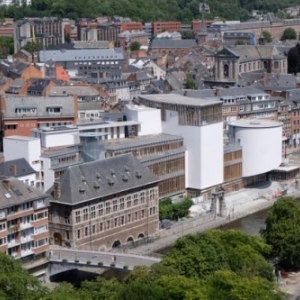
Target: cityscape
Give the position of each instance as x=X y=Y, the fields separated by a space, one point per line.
x=149 y=155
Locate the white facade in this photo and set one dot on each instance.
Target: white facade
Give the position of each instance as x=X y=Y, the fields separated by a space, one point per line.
x=204 y=151
x=123 y=93
x=15 y=147
x=57 y=136
x=261 y=141
x=149 y=119
x=13 y=2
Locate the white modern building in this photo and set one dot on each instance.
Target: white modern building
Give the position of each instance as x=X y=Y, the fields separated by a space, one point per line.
x=14 y=2
x=17 y=147
x=261 y=142
x=199 y=122
x=147 y=118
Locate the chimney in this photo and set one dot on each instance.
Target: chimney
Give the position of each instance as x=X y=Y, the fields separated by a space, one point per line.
x=7 y=183
x=57 y=190
x=13 y=169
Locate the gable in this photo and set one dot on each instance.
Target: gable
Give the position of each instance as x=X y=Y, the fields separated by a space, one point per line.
x=226 y=53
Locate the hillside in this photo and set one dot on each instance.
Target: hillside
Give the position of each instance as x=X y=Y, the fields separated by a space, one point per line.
x=145 y=10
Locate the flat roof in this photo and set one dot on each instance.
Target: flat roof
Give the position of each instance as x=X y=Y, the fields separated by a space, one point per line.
x=180 y=100
x=254 y=123
x=20 y=137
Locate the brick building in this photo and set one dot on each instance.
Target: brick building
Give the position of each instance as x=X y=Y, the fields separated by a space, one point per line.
x=23 y=220
x=20 y=114
x=104 y=204
x=126 y=38
x=159 y=27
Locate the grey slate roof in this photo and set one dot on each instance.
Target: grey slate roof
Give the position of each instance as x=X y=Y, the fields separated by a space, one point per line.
x=73 y=90
x=19 y=193
x=101 y=173
x=23 y=168
x=40 y=103
x=65 y=55
x=90 y=106
x=168 y=43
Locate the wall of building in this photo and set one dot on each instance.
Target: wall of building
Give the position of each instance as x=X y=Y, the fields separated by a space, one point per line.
x=258 y=156
x=204 y=151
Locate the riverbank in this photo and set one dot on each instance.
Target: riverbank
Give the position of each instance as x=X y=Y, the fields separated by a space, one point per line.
x=239 y=204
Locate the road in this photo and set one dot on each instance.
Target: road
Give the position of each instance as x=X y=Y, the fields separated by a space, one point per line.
x=129 y=260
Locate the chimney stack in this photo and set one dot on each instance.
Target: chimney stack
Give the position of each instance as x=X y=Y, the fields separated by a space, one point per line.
x=7 y=183
x=57 y=190
x=13 y=169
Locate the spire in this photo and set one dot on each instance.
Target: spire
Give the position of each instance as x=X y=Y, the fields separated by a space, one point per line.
x=203 y=23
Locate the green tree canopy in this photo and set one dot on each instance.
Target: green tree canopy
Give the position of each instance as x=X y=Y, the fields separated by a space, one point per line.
x=289 y=34
x=293 y=59
x=282 y=232
x=189 y=82
x=16 y=283
x=135 y=46
x=267 y=36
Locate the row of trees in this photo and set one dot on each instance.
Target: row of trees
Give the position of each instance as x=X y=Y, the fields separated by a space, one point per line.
x=143 y=10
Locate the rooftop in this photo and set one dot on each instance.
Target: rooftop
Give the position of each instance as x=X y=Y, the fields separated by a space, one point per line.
x=180 y=100
x=255 y=123
x=73 y=90
x=16 y=168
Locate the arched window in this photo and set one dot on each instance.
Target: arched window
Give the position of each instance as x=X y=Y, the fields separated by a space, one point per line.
x=226 y=70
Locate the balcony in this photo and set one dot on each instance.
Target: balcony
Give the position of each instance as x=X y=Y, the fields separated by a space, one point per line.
x=26 y=252
x=25 y=225
x=13 y=243
x=27 y=238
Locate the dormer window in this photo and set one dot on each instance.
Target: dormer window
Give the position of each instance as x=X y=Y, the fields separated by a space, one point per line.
x=54 y=110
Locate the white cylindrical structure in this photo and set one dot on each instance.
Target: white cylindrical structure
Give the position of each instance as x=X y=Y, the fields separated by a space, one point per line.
x=261 y=141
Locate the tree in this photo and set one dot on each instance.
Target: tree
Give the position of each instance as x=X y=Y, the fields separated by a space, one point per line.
x=173 y=211
x=6 y=46
x=267 y=36
x=289 y=34
x=187 y=34
x=134 y=46
x=282 y=232
x=239 y=42
x=16 y=283
x=189 y=82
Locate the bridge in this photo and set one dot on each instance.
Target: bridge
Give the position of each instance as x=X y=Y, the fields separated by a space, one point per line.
x=62 y=260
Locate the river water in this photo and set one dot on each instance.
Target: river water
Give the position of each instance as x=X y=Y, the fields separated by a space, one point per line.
x=250 y=224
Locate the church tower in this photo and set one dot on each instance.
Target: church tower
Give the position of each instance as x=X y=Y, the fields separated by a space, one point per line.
x=202 y=34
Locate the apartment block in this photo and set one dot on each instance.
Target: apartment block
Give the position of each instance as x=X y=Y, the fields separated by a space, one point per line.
x=23 y=220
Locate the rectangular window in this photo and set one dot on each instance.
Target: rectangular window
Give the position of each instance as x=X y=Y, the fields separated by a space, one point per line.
x=152 y=194
x=85 y=214
x=67 y=217
x=100 y=209
x=2 y=226
x=128 y=218
x=143 y=214
x=78 y=234
x=93 y=212
x=101 y=227
x=122 y=203
x=135 y=199
x=128 y=201
x=136 y=216
x=107 y=224
x=77 y=216
x=115 y=222
x=86 y=231
x=142 y=197
x=107 y=205
x=115 y=205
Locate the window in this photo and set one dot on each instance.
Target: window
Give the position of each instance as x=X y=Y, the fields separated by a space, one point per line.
x=41 y=215
x=86 y=231
x=142 y=197
x=128 y=218
x=143 y=214
x=128 y=201
x=67 y=217
x=135 y=199
x=152 y=194
x=115 y=205
x=77 y=216
x=78 y=234
x=101 y=227
x=54 y=110
x=93 y=212
x=85 y=214
x=2 y=226
x=2 y=241
x=136 y=216
x=107 y=224
x=107 y=205
x=226 y=70
x=93 y=229
x=100 y=209
x=122 y=203
x=41 y=242
x=115 y=222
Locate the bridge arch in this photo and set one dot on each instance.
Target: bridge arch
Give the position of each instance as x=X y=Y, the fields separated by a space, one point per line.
x=141 y=236
x=116 y=244
x=130 y=239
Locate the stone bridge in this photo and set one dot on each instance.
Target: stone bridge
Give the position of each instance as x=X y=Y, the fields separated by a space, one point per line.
x=62 y=260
